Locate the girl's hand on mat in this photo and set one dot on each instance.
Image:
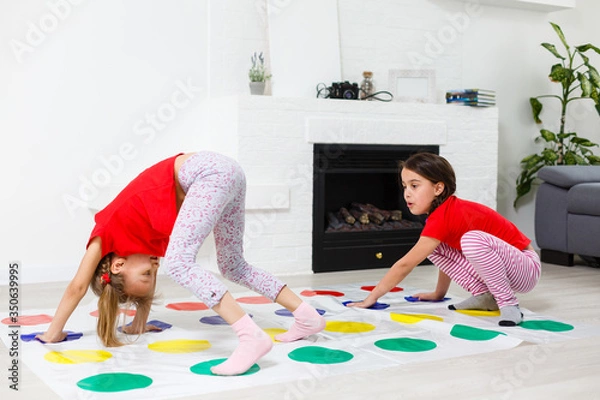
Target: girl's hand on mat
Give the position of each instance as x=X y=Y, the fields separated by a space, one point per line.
x=130 y=330
x=366 y=303
x=428 y=296
x=45 y=338
x=153 y=328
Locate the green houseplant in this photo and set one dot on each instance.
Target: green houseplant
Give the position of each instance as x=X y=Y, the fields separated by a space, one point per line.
x=258 y=74
x=578 y=80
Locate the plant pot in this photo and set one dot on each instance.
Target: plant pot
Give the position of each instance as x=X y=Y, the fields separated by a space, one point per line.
x=257 y=88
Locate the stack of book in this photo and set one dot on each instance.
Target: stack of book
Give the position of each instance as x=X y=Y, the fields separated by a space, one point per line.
x=472 y=97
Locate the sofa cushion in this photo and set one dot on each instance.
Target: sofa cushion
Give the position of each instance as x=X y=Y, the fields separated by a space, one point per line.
x=584 y=241
x=569 y=175
x=584 y=199
x=551 y=217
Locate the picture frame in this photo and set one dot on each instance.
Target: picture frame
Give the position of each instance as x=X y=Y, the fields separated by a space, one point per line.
x=413 y=85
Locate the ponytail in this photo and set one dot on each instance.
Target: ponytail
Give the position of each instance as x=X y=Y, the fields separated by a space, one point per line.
x=109 y=288
x=108 y=311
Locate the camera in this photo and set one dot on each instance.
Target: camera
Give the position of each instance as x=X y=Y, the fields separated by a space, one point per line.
x=344 y=90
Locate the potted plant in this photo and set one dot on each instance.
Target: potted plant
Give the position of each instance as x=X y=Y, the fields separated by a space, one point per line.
x=258 y=74
x=579 y=80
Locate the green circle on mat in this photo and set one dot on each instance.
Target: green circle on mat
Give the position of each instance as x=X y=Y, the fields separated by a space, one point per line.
x=546 y=325
x=319 y=355
x=471 y=333
x=203 y=368
x=406 y=344
x=114 y=382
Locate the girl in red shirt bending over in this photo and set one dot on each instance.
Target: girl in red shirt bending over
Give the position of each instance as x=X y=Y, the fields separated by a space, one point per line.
x=470 y=243
x=168 y=211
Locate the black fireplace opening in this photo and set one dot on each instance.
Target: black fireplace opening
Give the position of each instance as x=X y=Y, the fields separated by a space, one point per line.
x=360 y=218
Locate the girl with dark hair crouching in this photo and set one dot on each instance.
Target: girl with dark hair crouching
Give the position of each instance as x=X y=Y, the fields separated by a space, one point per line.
x=470 y=243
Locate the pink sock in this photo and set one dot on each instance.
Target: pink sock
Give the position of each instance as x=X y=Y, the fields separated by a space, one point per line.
x=254 y=343
x=307 y=321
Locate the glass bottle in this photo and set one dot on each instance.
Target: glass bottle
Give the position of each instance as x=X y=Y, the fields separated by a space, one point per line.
x=366 y=86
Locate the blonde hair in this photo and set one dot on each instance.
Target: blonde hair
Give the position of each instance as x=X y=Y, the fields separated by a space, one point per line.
x=110 y=297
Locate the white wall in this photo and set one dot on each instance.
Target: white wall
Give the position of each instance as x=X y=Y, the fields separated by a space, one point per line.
x=524 y=75
x=83 y=82
x=89 y=76
x=472 y=45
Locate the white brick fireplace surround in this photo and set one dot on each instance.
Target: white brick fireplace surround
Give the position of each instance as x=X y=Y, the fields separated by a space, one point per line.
x=272 y=138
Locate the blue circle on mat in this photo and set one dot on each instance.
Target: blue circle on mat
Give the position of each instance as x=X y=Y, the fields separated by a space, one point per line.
x=416 y=299
x=376 y=306
x=215 y=320
x=28 y=337
x=286 y=313
x=155 y=322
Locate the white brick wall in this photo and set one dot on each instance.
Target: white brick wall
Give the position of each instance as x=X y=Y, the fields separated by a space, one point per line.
x=268 y=136
x=274 y=137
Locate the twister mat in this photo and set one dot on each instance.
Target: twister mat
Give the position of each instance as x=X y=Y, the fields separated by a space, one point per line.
x=176 y=361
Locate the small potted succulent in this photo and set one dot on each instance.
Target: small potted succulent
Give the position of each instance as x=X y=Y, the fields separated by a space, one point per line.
x=258 y=74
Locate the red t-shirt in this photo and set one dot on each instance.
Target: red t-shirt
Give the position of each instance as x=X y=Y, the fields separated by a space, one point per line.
x=455 y=217
x=140 y=219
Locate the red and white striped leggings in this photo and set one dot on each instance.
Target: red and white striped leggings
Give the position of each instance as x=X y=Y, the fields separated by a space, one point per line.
x=489 y=264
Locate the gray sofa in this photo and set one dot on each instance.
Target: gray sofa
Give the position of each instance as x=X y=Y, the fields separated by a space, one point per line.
x=567 y=213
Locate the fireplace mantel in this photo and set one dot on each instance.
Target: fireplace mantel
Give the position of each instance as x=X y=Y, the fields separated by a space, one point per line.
x=272 y=138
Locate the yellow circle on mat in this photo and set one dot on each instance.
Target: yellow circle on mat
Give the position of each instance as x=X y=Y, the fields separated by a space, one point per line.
x=273 y=332
x=180 y=346
x=77 y=356
x=413 y=318
x=480 y=313
x=348 y=327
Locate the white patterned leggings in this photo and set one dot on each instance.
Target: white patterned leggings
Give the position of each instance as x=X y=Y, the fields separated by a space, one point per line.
x=215 y=188
x=489 y=264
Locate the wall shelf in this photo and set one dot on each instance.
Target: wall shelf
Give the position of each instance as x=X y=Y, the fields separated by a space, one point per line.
x=536 y=5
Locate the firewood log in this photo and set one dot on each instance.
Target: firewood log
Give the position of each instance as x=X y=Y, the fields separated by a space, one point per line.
x=372 y=212
x=361 y=216
x=334 y=222
x=396 y=215
x=346 y=216
x=386 y=214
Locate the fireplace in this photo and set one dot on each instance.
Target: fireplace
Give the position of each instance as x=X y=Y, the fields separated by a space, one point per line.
x=274 y=138
x=361 y=181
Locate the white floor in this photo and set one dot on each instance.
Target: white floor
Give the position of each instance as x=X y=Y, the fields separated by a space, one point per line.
x=546 y=371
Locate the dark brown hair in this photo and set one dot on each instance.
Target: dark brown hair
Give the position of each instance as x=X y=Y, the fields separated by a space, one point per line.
x=435 y=169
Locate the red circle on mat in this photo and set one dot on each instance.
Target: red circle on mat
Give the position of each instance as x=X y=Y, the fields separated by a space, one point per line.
x=311 y=293
x=28 y=320
x=254 y=300
x=370 y=289
x=129 y=313
x=188 y=306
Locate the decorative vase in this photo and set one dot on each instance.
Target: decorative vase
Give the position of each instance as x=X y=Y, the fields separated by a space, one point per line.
x=257 y=88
